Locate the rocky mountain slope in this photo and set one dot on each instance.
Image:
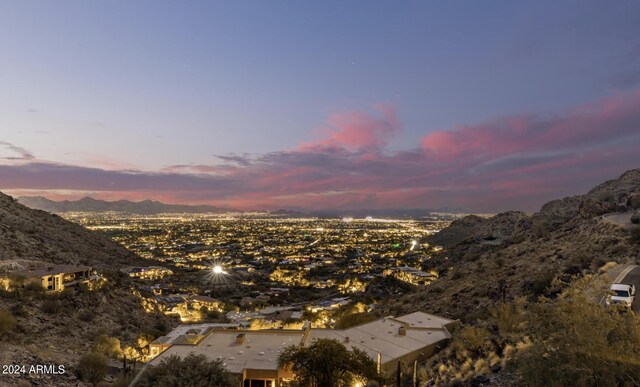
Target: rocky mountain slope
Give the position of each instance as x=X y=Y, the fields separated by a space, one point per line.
x=518 y=255
x=59 y=328
x=87 y=204
x=26 y=233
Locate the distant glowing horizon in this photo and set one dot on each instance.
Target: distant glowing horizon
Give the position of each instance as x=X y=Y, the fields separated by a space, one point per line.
x=523 y=158
x=249 y=107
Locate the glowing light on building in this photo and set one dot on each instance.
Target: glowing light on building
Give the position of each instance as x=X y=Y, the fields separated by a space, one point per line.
x=217 y=269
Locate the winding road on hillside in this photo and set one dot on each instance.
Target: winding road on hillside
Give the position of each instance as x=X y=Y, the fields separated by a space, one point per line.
x=619 y=219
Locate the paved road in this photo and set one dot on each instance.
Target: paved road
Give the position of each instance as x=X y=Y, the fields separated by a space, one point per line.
x=623 y=219
x=633 y=278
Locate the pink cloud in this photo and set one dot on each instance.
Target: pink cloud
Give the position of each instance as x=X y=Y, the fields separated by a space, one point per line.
x=358 y=130
x=590 y=124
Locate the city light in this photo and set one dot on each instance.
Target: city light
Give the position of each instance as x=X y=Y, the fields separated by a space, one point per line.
x=413 y=245
x=217 y=272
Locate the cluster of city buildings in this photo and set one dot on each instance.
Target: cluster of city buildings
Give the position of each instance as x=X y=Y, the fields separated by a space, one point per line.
x=189 y=307
x=148 y=272
x=317 y=265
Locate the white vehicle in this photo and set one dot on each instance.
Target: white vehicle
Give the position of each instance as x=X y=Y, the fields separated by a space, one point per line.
x=621 y=294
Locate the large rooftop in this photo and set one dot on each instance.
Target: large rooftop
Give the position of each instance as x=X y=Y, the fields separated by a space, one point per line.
x=260 y=349
x=383 y=336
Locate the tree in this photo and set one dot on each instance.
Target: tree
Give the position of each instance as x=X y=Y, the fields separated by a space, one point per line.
x=191 y=371
x=328 y=363
x=109 y=346
x=92 y=367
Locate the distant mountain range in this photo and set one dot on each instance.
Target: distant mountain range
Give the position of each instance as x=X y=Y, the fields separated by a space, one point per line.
x=150 y=207
x=87 y=204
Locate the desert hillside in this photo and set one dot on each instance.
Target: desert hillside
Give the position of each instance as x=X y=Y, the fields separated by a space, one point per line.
x=514 y=254
x=59 y=328
x=26 y=233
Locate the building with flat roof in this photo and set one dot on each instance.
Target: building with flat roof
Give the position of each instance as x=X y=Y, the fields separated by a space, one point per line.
x=253 y=354
x=410 y=275
x=185 y=334
x=57 y=277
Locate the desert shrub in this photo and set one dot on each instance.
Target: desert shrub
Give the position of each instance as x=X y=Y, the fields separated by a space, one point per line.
x=634 y=202
x=51 y=306
x=635 y=218
x=7 y=321
x=541 y=283
x=19 y=310
x=109 y=346
x=607 y=266
x=86 y=315
x=34 y=288
x=541 y=228
x=193 y=370
x=605 y=196
x=474 y=338
x=471 y=257
x=66 y=331
x=619 y=249
x=436 y=289
x=92 y=367
x=601 y=349
x=161 y=325
x=509 y=320
x=634 y=234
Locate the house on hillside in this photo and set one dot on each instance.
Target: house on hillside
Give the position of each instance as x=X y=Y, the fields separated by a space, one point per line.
x=410 y=275
x=173 y=305
x=198 y=302
x=56 y=278
x=190 y=334
x=253 y=354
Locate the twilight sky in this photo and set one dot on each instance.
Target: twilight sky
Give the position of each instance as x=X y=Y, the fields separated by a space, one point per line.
x=487 y=106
